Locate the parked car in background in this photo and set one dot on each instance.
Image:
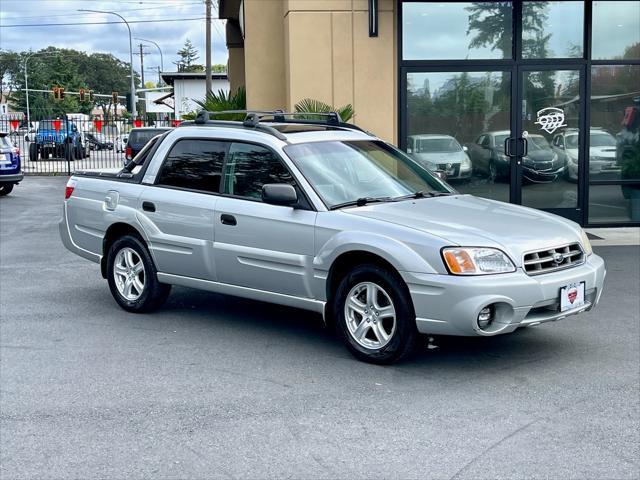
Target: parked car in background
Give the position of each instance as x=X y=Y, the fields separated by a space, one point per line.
x=10 y=167
x=138 y=138
x=602 y=153
x=440 y=152
x=99 y=141
x=540 y=165
x=56 y=138
x=328 y=218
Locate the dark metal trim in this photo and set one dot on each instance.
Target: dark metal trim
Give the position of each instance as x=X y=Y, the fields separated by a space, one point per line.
x=373 y=18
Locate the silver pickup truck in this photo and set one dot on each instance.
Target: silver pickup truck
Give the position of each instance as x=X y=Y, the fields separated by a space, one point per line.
x=323 y=216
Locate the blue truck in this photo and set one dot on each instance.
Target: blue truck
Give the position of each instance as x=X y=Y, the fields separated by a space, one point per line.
x=62 y=142
x=10 y=168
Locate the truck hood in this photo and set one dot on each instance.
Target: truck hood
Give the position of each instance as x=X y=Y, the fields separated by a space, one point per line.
x=471 y=221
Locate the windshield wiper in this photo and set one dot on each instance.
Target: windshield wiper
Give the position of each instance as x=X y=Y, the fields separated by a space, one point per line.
x=361 y=202
x=422 y=194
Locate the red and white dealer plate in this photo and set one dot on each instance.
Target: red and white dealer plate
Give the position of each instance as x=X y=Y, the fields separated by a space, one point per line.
x=572 y=296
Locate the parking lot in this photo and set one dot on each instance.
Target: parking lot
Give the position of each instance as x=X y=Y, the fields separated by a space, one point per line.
x=216 y=386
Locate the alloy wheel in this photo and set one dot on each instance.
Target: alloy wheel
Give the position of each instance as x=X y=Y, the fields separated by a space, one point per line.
x=129 y=274
x=370 y=315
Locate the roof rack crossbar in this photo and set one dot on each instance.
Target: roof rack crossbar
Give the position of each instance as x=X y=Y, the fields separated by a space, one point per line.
x=254 y=119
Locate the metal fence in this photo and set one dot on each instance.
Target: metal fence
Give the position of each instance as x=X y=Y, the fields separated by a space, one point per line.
x=61 y=146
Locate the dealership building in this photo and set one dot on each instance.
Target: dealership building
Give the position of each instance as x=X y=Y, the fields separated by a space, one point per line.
x=505 y=97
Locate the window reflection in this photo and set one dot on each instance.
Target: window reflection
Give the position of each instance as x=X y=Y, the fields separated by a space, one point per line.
x=615 y=117
x=552 y=29
x=457 y=123
x=461 y=30
x=616 y=30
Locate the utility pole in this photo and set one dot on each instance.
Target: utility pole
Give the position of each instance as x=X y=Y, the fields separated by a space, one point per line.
x=142 y=54
x=208 y=50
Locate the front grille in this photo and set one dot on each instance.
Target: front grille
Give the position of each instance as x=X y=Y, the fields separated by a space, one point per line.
x=552 y=259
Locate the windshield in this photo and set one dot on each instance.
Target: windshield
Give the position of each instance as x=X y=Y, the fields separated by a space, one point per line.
x=538 y=142
x=445 y=144
x=571 y=141
x=499 y=139
x=345 y=171
x=48 y=125
x=602 y=140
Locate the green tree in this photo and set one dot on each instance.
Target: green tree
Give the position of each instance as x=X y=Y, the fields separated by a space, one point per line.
x=188 y=56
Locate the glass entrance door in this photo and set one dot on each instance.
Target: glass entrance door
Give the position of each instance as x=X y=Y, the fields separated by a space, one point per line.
x=548 y=148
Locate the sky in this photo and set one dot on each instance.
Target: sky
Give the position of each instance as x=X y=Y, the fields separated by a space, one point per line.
x=112 y=38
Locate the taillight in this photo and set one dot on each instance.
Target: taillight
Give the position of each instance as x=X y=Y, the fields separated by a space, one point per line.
x=16 y=151
x=128 y=153
x=71 y=184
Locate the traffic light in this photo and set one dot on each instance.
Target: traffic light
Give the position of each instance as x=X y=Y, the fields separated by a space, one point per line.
x=60 y=93
x=56 y=93
x=91 y=96
x=81 y=94
x=129 y=104
x=114 y=97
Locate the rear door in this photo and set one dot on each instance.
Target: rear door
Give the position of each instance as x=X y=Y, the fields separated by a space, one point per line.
x=177 y=212
x=257 y=245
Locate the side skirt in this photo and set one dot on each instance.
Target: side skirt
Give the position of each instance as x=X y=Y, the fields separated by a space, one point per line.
x=245 y=292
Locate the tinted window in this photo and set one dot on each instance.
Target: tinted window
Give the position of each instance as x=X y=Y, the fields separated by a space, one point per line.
x=250 y=167
x=143 y=136
x=194 y=164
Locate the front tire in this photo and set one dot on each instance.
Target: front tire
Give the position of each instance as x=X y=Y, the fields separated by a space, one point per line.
x=375 y=316
x=5 y=189
x=33 y=152
x=132 y=276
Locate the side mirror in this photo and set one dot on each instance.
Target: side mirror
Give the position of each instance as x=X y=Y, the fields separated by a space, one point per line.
x=279 y=194
x=409 y=150
x=465 y=148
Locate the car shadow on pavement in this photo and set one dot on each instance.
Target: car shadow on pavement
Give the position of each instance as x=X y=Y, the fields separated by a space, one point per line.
x=307 y=331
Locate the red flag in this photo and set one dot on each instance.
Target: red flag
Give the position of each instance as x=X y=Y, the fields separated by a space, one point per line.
x=176 y=123
x=56 y=125
x=137 y=123
x=14 y=124
x=98 y=124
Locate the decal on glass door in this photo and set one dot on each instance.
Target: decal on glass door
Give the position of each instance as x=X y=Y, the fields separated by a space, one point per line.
x=550 y=119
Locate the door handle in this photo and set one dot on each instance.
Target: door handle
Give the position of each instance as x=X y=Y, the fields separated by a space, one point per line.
x=525 y=146
x=148 y=207
x=508 y=151
x=227 y=219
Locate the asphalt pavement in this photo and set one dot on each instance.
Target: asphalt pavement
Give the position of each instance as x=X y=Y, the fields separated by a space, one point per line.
x=213 y=386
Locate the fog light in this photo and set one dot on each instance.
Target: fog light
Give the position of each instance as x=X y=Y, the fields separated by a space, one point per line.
x=485 y=317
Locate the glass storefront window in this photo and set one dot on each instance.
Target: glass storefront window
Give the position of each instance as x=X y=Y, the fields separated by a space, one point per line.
x=616 y=30
x=614 y=203
x=460 y=30
x=457 y=123
x=614 y=152
x=552 y=29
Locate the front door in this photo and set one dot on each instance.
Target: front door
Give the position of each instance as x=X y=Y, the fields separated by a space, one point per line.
x=257 y=245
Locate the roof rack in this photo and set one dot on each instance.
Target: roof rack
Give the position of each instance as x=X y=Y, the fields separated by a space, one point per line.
x=258 y=119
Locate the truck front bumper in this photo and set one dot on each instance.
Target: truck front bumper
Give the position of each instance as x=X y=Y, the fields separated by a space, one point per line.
x=449 y=304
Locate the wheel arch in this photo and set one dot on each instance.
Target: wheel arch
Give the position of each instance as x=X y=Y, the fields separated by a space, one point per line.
x=115 y=231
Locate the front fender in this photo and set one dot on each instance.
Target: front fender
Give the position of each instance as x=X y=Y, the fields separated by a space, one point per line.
x=395 y=252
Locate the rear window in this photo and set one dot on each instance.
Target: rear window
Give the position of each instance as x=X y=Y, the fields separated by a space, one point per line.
x=4 y=141
x=48 y=125
x=143 y=136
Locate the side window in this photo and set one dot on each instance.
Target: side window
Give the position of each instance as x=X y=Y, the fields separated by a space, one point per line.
x=249 y=167
x=484 y=140
x=194 y=164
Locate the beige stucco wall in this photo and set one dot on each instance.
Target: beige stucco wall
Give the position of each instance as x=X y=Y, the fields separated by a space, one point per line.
x=321 y=49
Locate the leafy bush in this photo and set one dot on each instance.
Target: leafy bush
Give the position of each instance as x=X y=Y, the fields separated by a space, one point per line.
x=316 y=106
x=221 y=101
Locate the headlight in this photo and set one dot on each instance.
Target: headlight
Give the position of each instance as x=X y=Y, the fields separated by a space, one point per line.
x=586 y=243
x=476 y=261
x=466 y=164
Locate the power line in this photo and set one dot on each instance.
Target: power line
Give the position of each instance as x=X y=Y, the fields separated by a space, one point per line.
x=100 y=23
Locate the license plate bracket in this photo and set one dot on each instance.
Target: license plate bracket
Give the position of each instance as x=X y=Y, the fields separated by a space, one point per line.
x=572 y=296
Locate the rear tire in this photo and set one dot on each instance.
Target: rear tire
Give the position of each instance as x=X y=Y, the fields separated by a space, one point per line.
x=33 y=152
x=5 y=189
x=132 y=276
x=374 y=315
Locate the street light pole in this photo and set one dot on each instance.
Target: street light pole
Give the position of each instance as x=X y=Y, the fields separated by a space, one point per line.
x=159 y=50
x=208 y=50
x=134 y=111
